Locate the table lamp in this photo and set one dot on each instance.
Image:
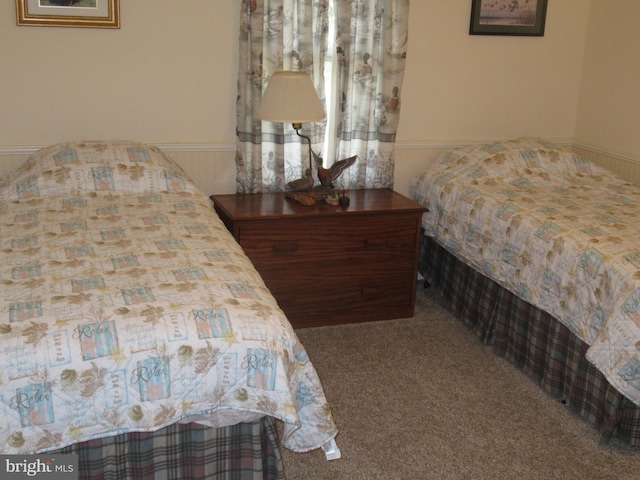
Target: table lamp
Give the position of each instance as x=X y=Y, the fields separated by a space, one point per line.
x=290 y=97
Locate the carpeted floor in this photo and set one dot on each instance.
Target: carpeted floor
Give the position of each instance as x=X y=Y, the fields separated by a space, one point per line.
x=422 y=398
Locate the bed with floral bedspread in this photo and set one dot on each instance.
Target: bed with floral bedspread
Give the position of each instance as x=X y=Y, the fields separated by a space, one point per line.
x=555 y=230
x=127 y=306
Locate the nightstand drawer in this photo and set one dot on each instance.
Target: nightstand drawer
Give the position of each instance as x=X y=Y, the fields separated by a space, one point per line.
x=337 y=240
x=361 y=295
x=290 y=260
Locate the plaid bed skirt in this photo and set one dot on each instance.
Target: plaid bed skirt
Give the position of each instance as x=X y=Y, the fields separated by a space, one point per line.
x=247 y=451
x=534 y=341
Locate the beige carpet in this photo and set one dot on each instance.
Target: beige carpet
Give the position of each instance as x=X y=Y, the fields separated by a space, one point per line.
x=422 y=398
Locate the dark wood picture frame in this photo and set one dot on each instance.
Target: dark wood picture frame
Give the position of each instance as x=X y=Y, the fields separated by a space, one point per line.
x=508 y=17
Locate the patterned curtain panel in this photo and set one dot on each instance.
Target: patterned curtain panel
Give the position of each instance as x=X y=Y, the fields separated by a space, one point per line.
x=276 y=35
x=372 y=40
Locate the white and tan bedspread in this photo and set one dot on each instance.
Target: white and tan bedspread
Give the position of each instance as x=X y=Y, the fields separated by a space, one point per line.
x=557 y=231
x=126 y=305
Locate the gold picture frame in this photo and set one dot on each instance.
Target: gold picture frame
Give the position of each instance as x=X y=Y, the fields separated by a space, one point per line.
x=73 y=13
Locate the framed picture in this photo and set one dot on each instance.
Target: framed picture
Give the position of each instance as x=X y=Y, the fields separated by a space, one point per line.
x=508 y=17
x=69 y=13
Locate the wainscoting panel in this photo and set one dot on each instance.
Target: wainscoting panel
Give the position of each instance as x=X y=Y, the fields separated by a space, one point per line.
x=212 y=166
x=412 y=160
x=11 y=159
x=213 y=170
x=628 y=167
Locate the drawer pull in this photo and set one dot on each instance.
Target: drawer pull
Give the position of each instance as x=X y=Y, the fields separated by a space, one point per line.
x=371 y=292
x=282 y=249
x=376 y=242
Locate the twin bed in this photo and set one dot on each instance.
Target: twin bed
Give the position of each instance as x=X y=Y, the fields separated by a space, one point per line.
x=538 y=252
x=135 y=332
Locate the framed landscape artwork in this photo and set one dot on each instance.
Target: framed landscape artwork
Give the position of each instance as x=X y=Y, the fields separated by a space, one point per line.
x=69 y=13
x=508 y=17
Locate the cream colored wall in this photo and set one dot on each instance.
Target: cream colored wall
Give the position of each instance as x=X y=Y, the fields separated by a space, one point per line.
x=168 y=77
x=609 y=102
x=462 y=88
x=474 y=87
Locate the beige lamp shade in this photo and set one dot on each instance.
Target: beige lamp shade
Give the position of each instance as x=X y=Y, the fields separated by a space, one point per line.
x=290 y=97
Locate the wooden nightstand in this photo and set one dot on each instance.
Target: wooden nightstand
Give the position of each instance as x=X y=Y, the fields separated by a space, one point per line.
x=328 y=265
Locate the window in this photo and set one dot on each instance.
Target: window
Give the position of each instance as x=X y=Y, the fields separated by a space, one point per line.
x=331 y=91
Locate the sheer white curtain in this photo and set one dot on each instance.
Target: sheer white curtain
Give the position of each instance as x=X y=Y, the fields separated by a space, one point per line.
x=370 y=41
